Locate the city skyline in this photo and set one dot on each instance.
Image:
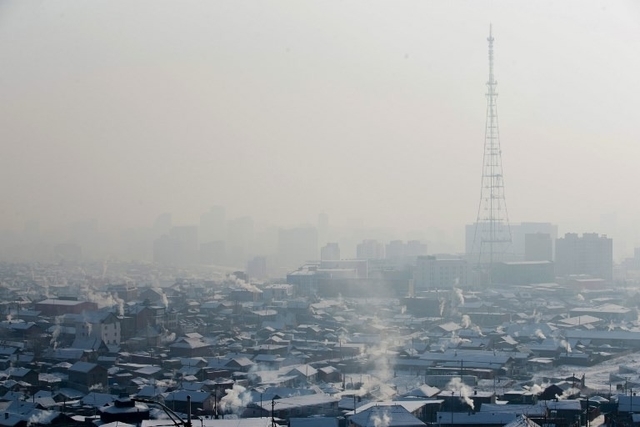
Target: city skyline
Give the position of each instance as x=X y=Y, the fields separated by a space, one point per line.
x=370 y=112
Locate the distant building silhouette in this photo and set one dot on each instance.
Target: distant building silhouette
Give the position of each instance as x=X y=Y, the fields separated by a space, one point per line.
x=330 y=252
x=440 y=273
x=370 y=249
x=180 y=247
x=257 y=267
x=590 y=254
x=399 y=249
x=538 y=247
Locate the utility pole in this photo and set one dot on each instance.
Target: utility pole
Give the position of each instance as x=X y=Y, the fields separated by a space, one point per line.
x=273 y=418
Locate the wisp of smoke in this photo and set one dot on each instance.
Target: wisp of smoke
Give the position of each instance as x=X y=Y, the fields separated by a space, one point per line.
x=41 y=417
x=165 y=301
x=536 y=389
x=378 y=385
x=538 y=333
x=455 y=340
x=464 y=391
x=466 y=321
x=477 y=330
x=564 y=344
x=245 y=285
x=381 y=420
x=104 y=300
x=579 y=297
x=459 y=296
x=235 y=399
x=55 y=333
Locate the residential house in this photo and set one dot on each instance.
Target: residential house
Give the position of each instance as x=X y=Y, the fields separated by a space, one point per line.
x=86 y=375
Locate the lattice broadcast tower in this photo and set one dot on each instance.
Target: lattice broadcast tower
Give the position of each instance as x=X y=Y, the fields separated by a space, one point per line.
x=492 y=235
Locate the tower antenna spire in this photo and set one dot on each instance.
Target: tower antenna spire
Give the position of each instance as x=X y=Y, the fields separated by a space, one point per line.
x=492 y=235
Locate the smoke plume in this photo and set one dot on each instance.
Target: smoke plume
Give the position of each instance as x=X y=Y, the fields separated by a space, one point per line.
x=464 y=391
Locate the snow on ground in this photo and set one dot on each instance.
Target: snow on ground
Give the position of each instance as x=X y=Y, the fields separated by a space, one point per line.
x=596 y=377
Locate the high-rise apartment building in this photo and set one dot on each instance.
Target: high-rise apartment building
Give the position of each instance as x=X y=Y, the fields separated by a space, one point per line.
x=538 y=247
x=370 y=249
x=590 y=254
x=440 y=273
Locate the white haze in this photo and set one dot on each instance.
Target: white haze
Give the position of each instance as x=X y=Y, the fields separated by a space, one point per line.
x=119 y=111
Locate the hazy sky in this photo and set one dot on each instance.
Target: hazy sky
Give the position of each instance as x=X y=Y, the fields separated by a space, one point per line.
x=121 y=110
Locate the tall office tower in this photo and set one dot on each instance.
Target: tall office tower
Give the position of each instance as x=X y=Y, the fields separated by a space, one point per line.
x=492 y=234
x=590 y=254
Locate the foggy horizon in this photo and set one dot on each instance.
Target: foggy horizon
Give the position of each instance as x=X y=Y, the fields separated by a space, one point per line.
x=369 y=111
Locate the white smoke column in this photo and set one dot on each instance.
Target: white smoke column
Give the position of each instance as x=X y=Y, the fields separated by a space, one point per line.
x=95 y=387
x=170 y=338
x=9 y=317
x=381 y=421
x=41 y=418
x=235 y=399
x=244 y=285
x=165 y=301
x=379 y=383
x=568 y=393
x=564 y=344
x=459 y=295
x=477 y=330
x=464 y=391
x=442 y=307
x=538 y=333
x=466 y=321
x=455 y=340
x=536 y=389
x=105 y=300
x=55 y=333
x=579 y=297
x=120 y=303
x=89 y=328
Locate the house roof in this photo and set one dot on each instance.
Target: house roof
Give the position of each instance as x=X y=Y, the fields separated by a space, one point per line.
x=388 y=415
x=522 y=421
x=98 y=400
x=476 y=418
x=423 y=391
x=181 y=396
x=288 y=403
x=313 y=422
x=84 y=367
